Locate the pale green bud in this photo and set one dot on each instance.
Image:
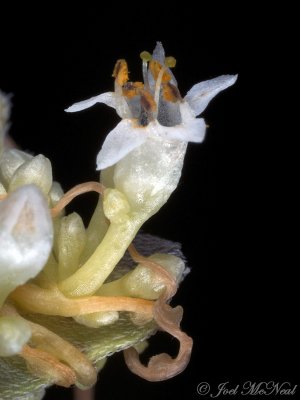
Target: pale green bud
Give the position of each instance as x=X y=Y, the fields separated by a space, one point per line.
x=14 y=333
x=97 y=319
x=10 y=161
x=70 y=243
x=37 y=171
x=56 y=193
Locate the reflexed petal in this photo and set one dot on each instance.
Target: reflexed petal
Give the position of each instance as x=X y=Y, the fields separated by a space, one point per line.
x=25 y=237
x=119 y=142
x=192 y=131
x=108 y=98
x=202 y=93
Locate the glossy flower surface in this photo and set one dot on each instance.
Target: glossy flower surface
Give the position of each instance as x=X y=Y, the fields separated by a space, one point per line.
x=153 y=109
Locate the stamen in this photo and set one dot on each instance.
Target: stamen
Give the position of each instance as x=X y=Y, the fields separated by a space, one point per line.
x=74 y=192
x=131 y=89
x=170 y=61
x=120 y=72
x=146 y=57
x=155 y=68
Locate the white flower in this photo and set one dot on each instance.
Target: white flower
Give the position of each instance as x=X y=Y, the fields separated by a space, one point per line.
x=26 y=236
x=153 y=109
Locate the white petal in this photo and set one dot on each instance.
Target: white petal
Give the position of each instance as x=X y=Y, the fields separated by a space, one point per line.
x=119 y=142
x=191 y=129
x=107 y=98
x=26 y=236
x=202 y=93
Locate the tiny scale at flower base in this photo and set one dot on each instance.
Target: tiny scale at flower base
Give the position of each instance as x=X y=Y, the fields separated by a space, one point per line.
x=71 y=295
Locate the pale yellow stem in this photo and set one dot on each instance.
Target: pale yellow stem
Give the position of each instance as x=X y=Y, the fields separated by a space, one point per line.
x=89 y=278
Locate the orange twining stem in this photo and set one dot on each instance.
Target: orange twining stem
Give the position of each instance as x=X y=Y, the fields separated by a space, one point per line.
x=3 y=196
x=161 y=366
x=52 y=302
x=57 y=347
x=74 y=192
x=43 y=364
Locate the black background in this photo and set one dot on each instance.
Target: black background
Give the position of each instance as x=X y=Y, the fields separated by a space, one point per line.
x=232 y=209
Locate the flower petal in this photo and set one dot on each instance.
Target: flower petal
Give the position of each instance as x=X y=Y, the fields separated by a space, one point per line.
x=202 y=93
x=108 y=98
x=191 y=129
x=119 y=142
x=26 y=235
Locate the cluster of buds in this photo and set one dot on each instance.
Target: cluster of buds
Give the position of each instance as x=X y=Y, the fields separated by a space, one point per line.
x=70 y=295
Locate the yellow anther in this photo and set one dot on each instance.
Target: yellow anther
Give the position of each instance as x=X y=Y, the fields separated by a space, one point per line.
x=145 y=56
x=170 y=62
x=121 y=72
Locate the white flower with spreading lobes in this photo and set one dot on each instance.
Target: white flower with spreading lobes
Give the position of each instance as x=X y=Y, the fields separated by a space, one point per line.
x=142 y=157
x=153 y=110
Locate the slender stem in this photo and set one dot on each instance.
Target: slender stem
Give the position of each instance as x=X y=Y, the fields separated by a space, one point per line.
x=74 y=192
x=89 y=278
x=53 y=302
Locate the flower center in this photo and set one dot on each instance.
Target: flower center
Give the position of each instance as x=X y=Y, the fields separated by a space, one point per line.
x=155 y=98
